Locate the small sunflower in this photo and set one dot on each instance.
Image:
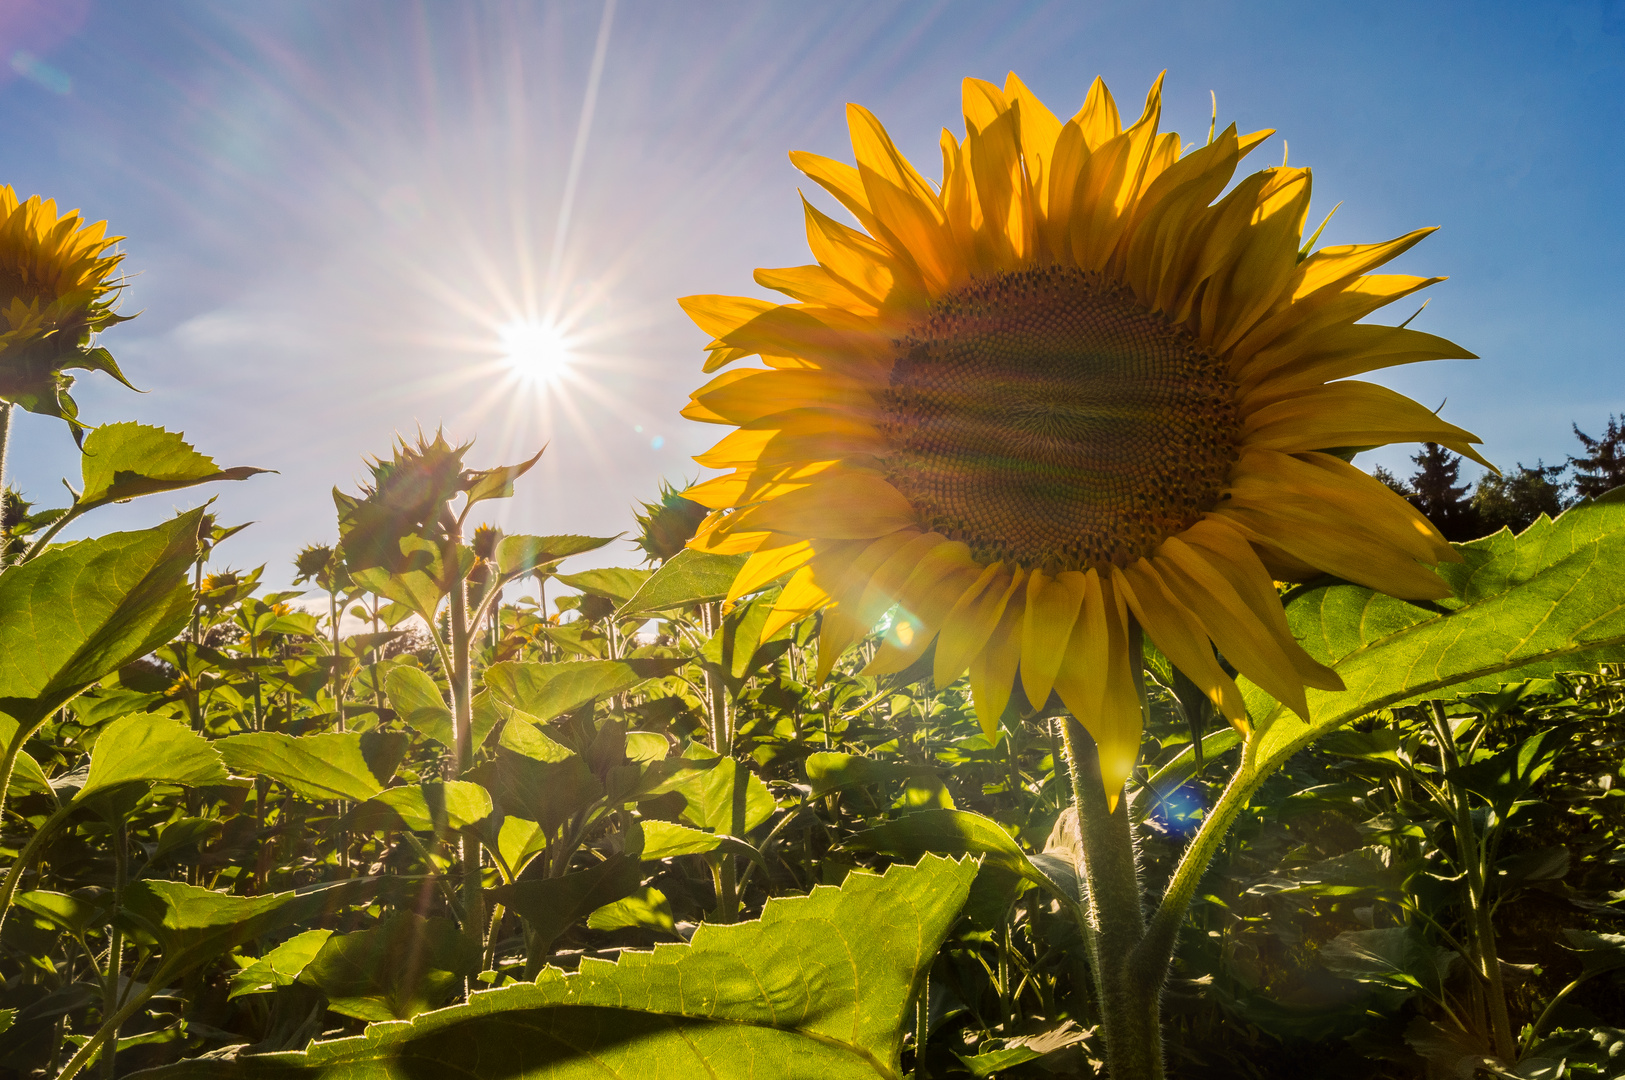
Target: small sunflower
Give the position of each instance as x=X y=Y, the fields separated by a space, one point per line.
x=1068 y=395
x=56 y=290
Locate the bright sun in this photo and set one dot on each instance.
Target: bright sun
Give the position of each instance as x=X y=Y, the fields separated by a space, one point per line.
x=535 y=350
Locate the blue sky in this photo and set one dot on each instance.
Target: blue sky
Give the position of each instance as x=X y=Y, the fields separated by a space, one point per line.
x=332 y=209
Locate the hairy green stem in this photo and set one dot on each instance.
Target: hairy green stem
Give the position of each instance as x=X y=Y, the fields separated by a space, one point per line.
x=5 y=446
x=115 y=949
x=30 y=852
x=1127 y=993
x=109 y=1029
x=1489 y=961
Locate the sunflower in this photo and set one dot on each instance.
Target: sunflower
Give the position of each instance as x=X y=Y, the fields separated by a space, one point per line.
x=1066 y=396
x=56 y=290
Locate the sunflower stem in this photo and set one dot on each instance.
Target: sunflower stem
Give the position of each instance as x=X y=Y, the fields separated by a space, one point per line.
x=1127 y=994
x=5 y=445
x=1469 y=850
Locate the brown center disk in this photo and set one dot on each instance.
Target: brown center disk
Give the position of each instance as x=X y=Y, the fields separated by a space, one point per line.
x=1049 y=420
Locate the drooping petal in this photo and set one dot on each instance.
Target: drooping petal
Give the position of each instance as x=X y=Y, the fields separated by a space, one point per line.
x=1052 y=608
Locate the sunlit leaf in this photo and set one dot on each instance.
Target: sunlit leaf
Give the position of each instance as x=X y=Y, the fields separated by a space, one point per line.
x=521 y=554
x=334 y=765
x=401 y=967
x=122 y=461
x=719 y=794
x=646 y=909
x=193 y=925
x=617 y=583
x=1549 y=599
x=279 y=967
x=550 y=905
x=961 y=832
x=687 y=578
x=482 y=484
x=83 y=610
x=437 y=807
x=822 y=985
x=545 y=691
x=150 y=748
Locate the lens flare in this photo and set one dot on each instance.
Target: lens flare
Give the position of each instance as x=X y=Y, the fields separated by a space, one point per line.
x=537 y=351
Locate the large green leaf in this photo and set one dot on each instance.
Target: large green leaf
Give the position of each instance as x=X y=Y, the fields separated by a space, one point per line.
x=521 y=554
x=429 y=807
x=1550 y=599
x=822 y=986
x=617 y=583
x=550 y=905
x=545 y=691
x=83 y=610
x=122 y=461
x=689 y=577
x=401 y=967
x=962 y=832
x=150 y=748
x=193 y=925
x=546 y=792
x=417 y=700
x=719 y=794
x=279 y=967
x=335 y=765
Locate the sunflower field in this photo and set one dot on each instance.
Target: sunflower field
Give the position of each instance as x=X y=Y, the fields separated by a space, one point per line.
x=1036 y=688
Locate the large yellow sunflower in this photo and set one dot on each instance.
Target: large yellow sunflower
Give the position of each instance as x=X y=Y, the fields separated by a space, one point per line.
x=1067 y=395
x=56 y=290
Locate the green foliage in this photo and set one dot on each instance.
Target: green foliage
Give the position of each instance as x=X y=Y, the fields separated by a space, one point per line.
x=819 y=986
x=616 y=832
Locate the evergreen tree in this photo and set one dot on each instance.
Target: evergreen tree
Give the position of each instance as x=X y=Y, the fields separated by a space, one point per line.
x=1603 y=466
x=1436 y=490
x=1394 y=483
x=1516 y=499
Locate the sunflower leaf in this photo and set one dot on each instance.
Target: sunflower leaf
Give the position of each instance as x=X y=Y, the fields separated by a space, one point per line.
x=822 y=985
x=81 y=611
x=123 y=461
x=1543 y=601
x=334 y=765
x=689 y=577
x=545 y=691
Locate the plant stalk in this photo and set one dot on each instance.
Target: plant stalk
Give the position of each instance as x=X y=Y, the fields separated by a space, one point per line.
x=1127 y=992
x=1489 y=961
x=5 y=446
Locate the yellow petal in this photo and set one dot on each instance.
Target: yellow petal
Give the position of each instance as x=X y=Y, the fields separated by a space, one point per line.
x=864 y=265
x=777 y=556
x=841 y=626
x=815 y=284
x=800 y=598
x=1351 y=414
x=1052 y=608
x=1229 y=553
x=1040 y=129
x=943 y=669
x=885 y=583
x=720 y=315
x=993 y=670
x=972 y=620
x=903 y=203
x=943 y=575
x=1336 y=551
x=1081 y=680
x=1098 y=119
x=1166 y=621
x=849 y=507
x=1245 y=641
x=1337 y=352
x=746 y=394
